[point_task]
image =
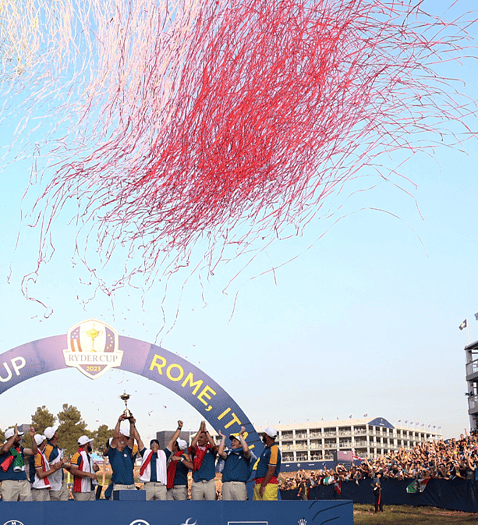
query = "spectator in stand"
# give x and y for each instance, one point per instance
(454, 458)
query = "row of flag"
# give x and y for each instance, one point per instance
(464, 324)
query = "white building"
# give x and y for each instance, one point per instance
(366, 437)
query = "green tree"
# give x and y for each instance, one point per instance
(101, 436)
(70, 429)
(2, 436)
(42, 419)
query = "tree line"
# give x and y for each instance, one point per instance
(70, 427)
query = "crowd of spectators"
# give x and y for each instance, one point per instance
(453, 458)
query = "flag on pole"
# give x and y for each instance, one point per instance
(464, 324)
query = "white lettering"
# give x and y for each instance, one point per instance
(21, 363)
(9, 372)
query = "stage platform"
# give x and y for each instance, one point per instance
(102, 512)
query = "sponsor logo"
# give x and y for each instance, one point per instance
(139, 522)
(93, 348)
(13, 522)
(187, 522)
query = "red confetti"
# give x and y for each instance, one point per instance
(273, 106)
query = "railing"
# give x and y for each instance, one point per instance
(473, 402)
(472, 367)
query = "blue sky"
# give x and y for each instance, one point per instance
(364, 320)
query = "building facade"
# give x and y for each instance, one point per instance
(366, 437)
(472, 383)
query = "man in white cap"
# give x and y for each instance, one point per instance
(84, 471)
(268, 468)
(41, 485)
(15, 486)
(121, 456)
(59, 490)
(153, 471)
(178, 469)
(237, 467)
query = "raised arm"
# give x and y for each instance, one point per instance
(202, 428)
(9, 443)
(245, 448)
(220, 451)
(175, 436)
(31, 451)
(132, 432)
(116, 433)
(211, 442)
(138, 439)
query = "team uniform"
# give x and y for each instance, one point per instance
(59, 490)
(15, 485)
(40, 487)
(178, 478)
(153, 473)
(83, 488)
(204, 472)
(271, 456)
(122, 464)
(236, 472)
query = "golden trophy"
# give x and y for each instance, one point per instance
(127, 411)
(93, 333)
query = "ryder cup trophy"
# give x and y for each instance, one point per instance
(127, 411)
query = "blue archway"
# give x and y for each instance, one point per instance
(77, 348)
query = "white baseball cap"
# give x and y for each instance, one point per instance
(125, 432)
(39, 439)
(11, 432)
(50, 432)
(271, 432)
(182, 445)
(83, 440)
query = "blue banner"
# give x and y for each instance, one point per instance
(455, 494)
(93, 347)
(177, 513)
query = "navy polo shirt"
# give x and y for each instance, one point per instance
(181, 476)
(208, 467)
(10, 474)
(270, 456)
(152, 464)
(122, 464)
(236, 466)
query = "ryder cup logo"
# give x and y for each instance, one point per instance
(92, 348)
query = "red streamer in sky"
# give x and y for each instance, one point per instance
(244, 117)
